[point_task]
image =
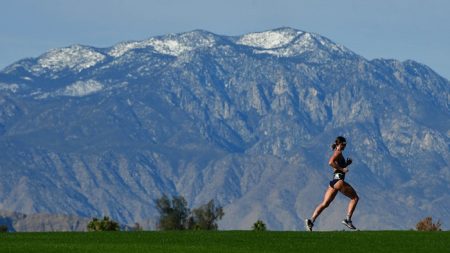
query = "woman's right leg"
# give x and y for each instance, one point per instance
(329, 196)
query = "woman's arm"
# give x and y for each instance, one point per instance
(348, 162)
(333, 161)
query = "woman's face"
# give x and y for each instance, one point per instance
(342, 146)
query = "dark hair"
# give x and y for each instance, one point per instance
(339, 140)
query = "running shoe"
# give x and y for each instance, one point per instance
(309, 225)
(348, 223)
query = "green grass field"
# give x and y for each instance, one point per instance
(227, 241)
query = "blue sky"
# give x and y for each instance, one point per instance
(398, 29)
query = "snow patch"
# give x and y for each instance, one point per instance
(77, 89)
(74, 57)
(164, 46)
(82, 88)
(174, 45)
(170, 47)
(122, 48)
(9, 87)
(288, 43)
(268, 39)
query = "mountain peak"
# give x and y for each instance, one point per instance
(76, 57)
(172, 44)
(269, 39)
(289, 42)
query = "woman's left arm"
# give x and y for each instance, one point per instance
(349, 161)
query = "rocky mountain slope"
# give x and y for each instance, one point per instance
(245, 120)
(19, 222)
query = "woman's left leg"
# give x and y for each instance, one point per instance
(348, 191)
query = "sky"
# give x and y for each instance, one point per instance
(392, 29)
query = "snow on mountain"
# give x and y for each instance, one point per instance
(82, 88)
(9, 87)
(286, 42)
(122, 48)
(76, 58)
(77, 89)
(170, 47)
(269, 39)
(174, 45)
(164, 46)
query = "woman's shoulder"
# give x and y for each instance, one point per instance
(337, 152)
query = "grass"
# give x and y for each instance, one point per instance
(227, 241)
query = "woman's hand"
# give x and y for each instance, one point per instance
(345, 170)
(349, 161)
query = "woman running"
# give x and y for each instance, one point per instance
(340, 168)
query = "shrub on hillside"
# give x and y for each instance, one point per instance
(103, 225)
(259, 226)
(206, 216)
(174, 214)
(3, 228)
(428, 225)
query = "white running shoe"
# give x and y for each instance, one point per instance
(309, 225)
(348, 223)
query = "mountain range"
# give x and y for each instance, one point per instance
(245, 120)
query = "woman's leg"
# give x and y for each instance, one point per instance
(348, 191)
(330, 194)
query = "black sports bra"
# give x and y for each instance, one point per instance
(341, 161)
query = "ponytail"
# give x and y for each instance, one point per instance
(339, 140)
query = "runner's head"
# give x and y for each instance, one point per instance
(339, 140)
